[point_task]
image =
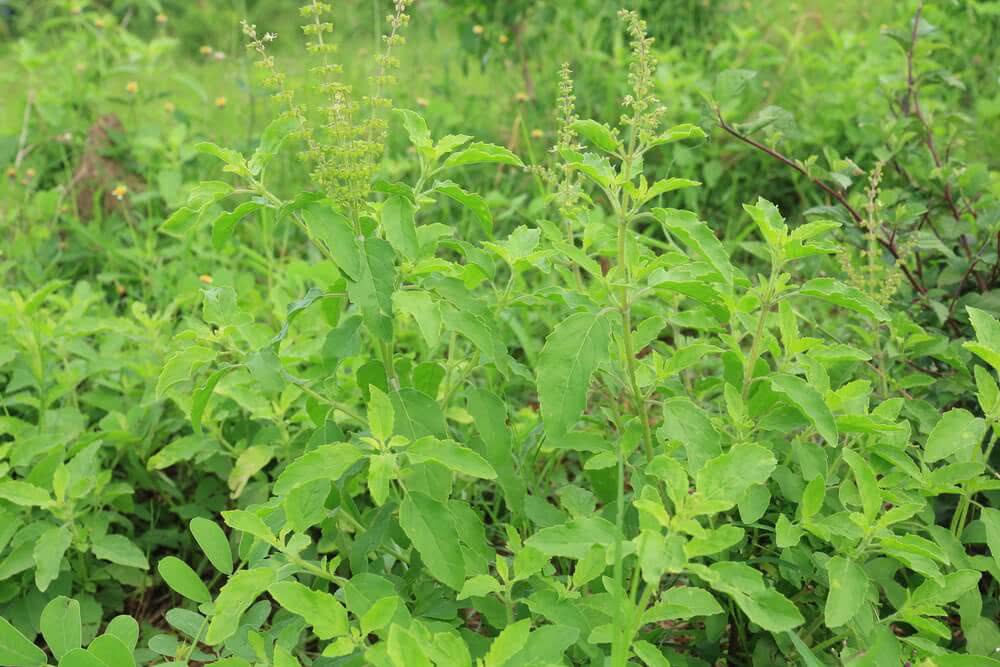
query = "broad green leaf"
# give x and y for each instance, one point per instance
(60, 626)
(79, 657)
(181, 366)
(837, 293)
(956, 432)
(848, 591)
(482, 333)
(213, 543)
(236, 596)
(809, 401)
(572, 352)
(727, 477)
(405, 650)
(372, 291)
(697, 236)
(419, 305)
(508, 643)
(987, 343)
(470, 200)
(490, 418)
(48, 555)
(452, 455)
(320, 610)
(649, 654)
(991, 521)
(325, 462)
(24, 494)
(16, 650)
(400, 231)
(864, 477)
(126, 629)
(381, 472)
(119, 549)
(416, 127)
(598, 134)
(478, 153)
(575, 538)
(764, 606)
(250, 461)
(111, 651)
(224, 225)
(682, 603)
(417, 415)
(480, 585)
(430, 527)
(688, 424)
(334, 231)
(249, 523)
(714, 541)
(381, 414)
(180, 577)
(380, 614)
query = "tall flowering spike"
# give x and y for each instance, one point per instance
(646, 110)
(344, 138)
(568, 182)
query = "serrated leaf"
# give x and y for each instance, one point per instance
(430, 527)
(848, 591)
(957, 432)
(451, 455)
(809, 401)
(572, 352)
(325, 462)
(397, 221)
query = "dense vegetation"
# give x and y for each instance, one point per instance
(517, 333)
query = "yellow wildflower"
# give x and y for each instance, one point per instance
(220, 102)
(119, 192)
(478, 29)
(132, 87)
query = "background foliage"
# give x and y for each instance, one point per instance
(530, 370)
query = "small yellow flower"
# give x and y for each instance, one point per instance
(11, 173)
(76, 10)
(99, 23)
(205, 50)
(205, 278)
(30, 173)
(422, 102)
(537, 133)
(478, 29)
(504, 39)
(521, 96)
(161, 19)
(132, 87)
(119, 192)
(80, 67)
(169, 107)
(220, 102)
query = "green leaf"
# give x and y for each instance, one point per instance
(848, 591)
(809, 401)
(119, 549)
(60, 626)
(480, 585)
(249, 523)
(727, 477)
(111, 651)
(478, 153)
(335, 232)
(320, 610)
(213, 543)
(225, 224)
(325, 462)
(991, 521)
(649, 654)
(24, 494)
(79, 657)
(957, 432)
(572, 352)
(864, 477)
(842, 295)
(48, 555)
(682, 603)
(489, 415)
(596, 133)
(420, 305)
(374, 287)
(379, 614)
(987, 343)
(575, 538)
(416, 128)
(417, 415)
(400, 231)
(452, 455)
(181, 366)
(180, 577)
(126, 629)
(764, 606)
(508, 643)
(16, 650)
(430, 527)
(236, 596)
(381, 472)
(688, 424)
(697, 236)
(470, 200)
(381, 414)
